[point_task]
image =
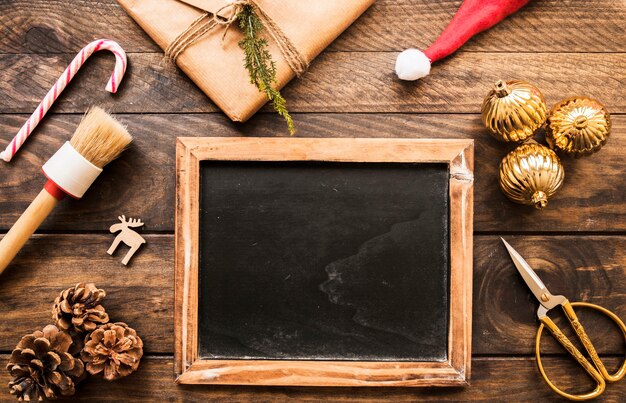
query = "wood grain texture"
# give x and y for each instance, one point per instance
(336, 82)
(580, 268)
(40, 26)
(591, 199)
(583, 268)
(49, 264)
(573, 47)
(513, 379)
(25, 227)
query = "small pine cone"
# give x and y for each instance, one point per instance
(79, 308)
(41, 367)
(113, 348)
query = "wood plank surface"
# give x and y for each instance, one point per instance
(336, 82)
(592, 198)
(499, 379)
(583, 268)
(40, 26)
(572, 47)
(141, 294)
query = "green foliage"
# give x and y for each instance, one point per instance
(259, 63)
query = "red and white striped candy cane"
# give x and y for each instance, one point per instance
(59, 86)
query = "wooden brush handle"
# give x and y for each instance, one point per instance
(25, 226)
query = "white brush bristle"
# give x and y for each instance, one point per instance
(100, 138)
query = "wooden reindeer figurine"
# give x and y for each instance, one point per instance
(128, 236)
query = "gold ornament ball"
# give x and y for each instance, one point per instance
(578, 126)
(513, 110)
(531, 174)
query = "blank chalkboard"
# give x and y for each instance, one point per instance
(305, 260)
(323, 261)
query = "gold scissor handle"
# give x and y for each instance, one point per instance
(580, 331)
(599, 374)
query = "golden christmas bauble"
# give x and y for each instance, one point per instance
(531, 174)
(513, 110)
(578, 126)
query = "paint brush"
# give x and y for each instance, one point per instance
(98, 140)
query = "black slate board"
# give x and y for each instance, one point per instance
(318, 260)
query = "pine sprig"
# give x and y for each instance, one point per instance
(259, 63)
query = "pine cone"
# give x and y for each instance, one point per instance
(79, 308)
(41, 366)
(113, 348)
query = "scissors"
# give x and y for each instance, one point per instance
(548, 301)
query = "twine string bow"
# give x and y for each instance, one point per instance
(208, 21)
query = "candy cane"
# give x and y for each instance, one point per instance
(59, 86)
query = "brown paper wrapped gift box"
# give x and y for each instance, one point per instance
(215, 62)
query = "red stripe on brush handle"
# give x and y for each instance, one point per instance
(54, 190)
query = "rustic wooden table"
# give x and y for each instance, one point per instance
(579, 242)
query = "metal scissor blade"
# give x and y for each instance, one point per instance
(528, 274)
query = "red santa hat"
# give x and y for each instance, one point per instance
(472, 17)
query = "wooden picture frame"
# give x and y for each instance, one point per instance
(191, 369)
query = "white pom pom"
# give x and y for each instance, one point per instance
(412, 64)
